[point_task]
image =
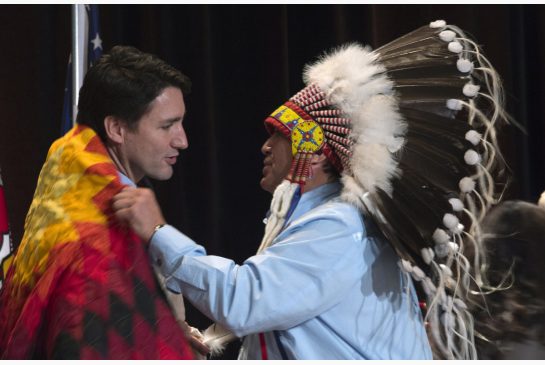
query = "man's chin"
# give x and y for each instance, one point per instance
(162, 176)
(266, 185)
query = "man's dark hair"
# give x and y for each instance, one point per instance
(330, 170)
(123, 84)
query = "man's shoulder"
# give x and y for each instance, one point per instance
(334, 210)
(338, 205)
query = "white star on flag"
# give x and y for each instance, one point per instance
(97, 42)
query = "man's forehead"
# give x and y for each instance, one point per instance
(167, 106)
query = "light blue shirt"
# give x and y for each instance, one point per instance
(327, 288)
(125, 179)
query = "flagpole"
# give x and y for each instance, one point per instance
(79, 34)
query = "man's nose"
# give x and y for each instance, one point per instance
(180, 139)
(266, 148)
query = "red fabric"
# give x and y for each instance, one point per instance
(263, 344)
(97, 297)
(3, 213)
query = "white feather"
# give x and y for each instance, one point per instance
(352, 191)
(216, 338)
(354, 82)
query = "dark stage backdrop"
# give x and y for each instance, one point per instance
(244, 60)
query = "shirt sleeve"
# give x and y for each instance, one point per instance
(167, 248)
(311, 265)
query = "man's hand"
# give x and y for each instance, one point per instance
(195, 339)
(138, 208)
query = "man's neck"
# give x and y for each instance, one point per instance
(120, 163)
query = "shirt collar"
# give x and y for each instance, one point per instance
(125, 179)
(315, 197)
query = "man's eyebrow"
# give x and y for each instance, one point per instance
(173, 120)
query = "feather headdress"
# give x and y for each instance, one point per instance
(411, 127)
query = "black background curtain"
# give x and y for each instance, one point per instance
(244, 61)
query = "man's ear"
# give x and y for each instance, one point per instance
(317, 163)
(318, 159)
(115, 129)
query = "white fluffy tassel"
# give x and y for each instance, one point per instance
(464, 65)
(471, 157)
(447, 35)
(440, 236)
(473, 136)
(405, 266)
(280, 205)
(541, 201)
(450, 221)
(427, 254)
(466, 185)
(418, 274)
(456, 204)
(438, 24)
(455, 47)
(470, 90)
(454, 104)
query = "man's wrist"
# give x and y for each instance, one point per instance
(155, 229)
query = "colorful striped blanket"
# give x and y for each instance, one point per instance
(80, 285)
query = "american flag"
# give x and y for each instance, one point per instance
(6, 250)
(93, 49)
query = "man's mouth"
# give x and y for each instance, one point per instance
(266, 167)
(171, 160)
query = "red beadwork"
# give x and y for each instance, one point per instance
(343, 141)
(325, 113)
(334, 121)
(317, 105)
(339, 149)
(336, 129)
